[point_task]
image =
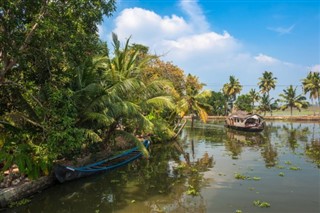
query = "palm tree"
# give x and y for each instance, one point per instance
(265, 104)
(117, 99)
(231, 89)
(267, 82)
(291, 99)
(194, 102)
(311, 84)
(254, 95)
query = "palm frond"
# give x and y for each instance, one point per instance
(131, 138)
(93, 136)
(161, 102)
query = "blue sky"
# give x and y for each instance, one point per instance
(214, 39)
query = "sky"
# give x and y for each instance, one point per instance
(214, 39)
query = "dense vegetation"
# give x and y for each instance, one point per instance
(64, 92)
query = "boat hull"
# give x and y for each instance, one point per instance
(66, 173)
(246, 129)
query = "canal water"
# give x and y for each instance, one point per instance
(210, 169)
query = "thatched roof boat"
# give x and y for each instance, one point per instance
(245, 122)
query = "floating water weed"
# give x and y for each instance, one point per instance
(240, 176)
(281, 174)
(256, 178)
(294, 168)
(261, 204)
(288, 162)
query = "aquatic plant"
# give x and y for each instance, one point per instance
(261, 204)
(240, 176)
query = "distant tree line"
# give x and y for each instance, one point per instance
(223, 102)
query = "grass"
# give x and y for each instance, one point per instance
(313, 110)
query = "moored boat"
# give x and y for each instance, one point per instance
(245, 122)
(67, 173)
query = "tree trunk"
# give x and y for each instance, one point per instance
(192, 121)
(291, 110)
(182, 126)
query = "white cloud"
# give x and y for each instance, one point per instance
(261, 58)
(194, 11)
(282, 30)
(147, 27)
(211, 56)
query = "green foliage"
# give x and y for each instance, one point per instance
(311, 84)
(266, 104)
(218, 101)
(291, 99)
(267, 82)
(19, 203)
(261, 204)
(231, 89)
(192, 191)
(244, 103)
(240, 176)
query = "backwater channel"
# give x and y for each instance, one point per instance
(274, 171)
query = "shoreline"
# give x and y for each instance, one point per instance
(275, 117)
(27, 189)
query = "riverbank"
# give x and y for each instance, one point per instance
(278, 117)
(24, 189)
(28, 187)
(20, 187)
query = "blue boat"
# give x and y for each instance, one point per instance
(67, 173)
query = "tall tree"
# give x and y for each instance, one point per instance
(194, 102)
(267, 82)
(254, 96)
(311, 84)
(290, 99)
(39, 49)
(121, 97)
(244, 103)
(38, 36)
(231, 89)
(266, 104)
(218, 102)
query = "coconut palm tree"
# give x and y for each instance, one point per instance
(231, 89)
(311, 84)
(194, 102)
(117, 99)
(267, 82)
(265, 104)
(291, 99)
(254, 95)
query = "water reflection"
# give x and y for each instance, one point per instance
(196, 174)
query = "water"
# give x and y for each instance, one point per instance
(279, 166)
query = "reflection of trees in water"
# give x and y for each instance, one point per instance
(313, 151)
(161, 181)
(269, 151)
(306, 134)
(294, 134)
(236, 140)
(214, 135)
(165, 175)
